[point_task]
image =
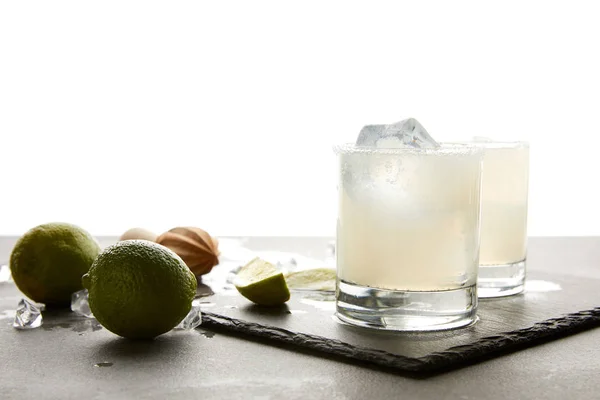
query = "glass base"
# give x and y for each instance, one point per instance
(406, 311)
(501, 280)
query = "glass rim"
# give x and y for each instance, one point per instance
(446, 148)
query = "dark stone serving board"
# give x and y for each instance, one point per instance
(553, 306)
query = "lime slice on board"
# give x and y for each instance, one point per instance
(260, 282)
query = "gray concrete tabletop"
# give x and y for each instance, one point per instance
(66, 361)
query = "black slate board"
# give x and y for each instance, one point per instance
(553, 306)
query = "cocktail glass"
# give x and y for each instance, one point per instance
(504, 194)
(408, 236)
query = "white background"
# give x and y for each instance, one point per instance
(222, 114)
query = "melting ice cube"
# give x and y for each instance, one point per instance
(406, 133)
(193, 319)
(80, 304)
(28, 315)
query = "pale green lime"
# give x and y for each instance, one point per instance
(48, 261)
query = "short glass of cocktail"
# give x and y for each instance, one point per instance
(407, 230)
(504, 194)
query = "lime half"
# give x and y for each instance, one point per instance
(260, 282)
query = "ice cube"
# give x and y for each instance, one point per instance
(80, 304)
(193, 319)
(370, 134)
(406, 133)
(28, 315)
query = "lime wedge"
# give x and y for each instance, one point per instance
(260, 282)
(312, 279)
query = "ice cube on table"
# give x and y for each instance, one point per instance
(28, 315)
(80, 304)
(193, 319)
(406, 133)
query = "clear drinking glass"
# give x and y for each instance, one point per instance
(503, 254)
(408, 236)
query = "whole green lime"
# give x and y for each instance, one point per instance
(48, 261)
(139, 289)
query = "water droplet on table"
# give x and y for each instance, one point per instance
(86, 325)
(103, 364)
